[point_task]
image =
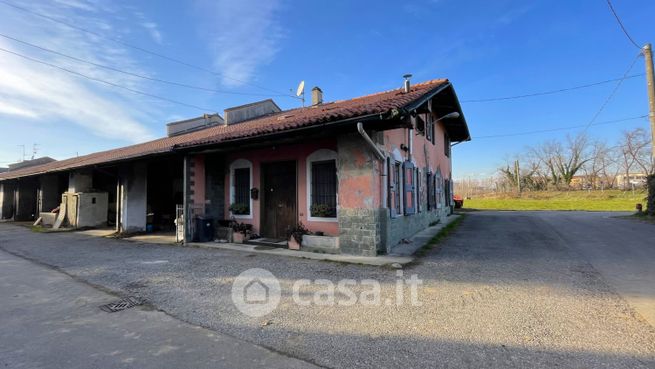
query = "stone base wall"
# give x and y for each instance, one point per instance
(360, 231)
(408, 225)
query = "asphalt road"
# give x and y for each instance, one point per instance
(621, 250)
(506, 290)
(50, 320)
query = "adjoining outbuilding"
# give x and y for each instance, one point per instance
(355, 176)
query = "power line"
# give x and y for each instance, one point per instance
(625, 31)
(560, 128)
(179, 84)
(106, 82)
(141, 49)
(551, 92)
(613, 93)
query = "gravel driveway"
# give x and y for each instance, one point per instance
(506, 290)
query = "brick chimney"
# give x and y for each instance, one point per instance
(317, 96)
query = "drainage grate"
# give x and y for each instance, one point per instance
(123, 304)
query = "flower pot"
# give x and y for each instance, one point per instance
(239, 237)
(293, 244)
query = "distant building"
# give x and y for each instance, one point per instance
(631, 180)
(30, 163)
(578, 182)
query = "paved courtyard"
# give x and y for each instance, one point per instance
(508, 289)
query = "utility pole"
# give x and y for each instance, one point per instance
(650, 77)
(648, 58)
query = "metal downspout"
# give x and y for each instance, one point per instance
(362, 132)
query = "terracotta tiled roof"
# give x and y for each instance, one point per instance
(377, 103)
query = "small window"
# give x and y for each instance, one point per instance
(324, 189)
(409, 188)
(429, 128)
(242, 191)
(420, 125)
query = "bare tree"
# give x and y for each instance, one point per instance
(611, 166)
(636, 144)
(545, 155)
(563, 161)
(597, 165)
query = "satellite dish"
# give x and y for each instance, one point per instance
(301, 88)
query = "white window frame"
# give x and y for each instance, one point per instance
(240, 164)
(319, 155)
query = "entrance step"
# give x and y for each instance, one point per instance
(272, 242)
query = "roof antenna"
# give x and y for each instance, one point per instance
(300, 92)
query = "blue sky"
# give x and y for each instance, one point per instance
(486, 48)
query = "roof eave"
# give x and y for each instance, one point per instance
(462, 133)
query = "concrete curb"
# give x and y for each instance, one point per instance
(365, 260)
(421, 239)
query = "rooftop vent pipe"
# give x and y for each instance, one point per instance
(407, 84)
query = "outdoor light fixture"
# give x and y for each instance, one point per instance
(453, 115)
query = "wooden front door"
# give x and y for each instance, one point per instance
(279, 199)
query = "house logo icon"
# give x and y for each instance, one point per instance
(256, 292)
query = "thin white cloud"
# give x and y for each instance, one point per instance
(243, 35)
(153, 31)
(149, 26)
(57, 96)
(513, 14)
(29, 90)
(9, 109)
(77, 4)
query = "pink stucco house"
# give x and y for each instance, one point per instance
(367, 172)
(360, 174)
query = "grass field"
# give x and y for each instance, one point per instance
(610, 200)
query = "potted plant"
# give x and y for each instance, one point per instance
(294, 235)
(240, 208)
(241, 232)
(322, 211)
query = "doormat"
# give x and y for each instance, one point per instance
(262, 248)
(122, 304)
(270, 240)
